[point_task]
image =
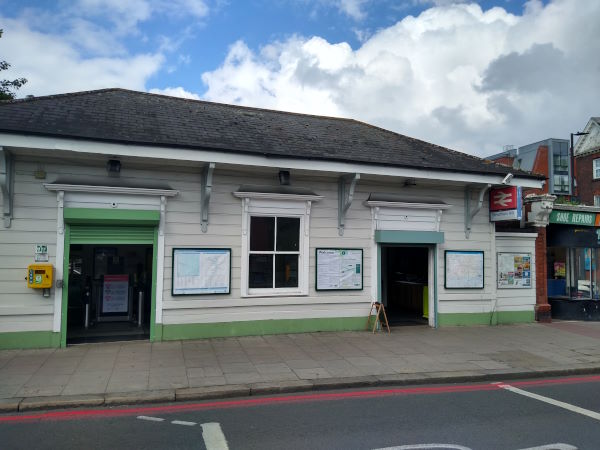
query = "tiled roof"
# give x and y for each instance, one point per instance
(119, 115)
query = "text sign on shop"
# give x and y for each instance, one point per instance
(573, 218)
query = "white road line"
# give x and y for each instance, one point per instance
(213, 436)
(183, 422)
(551, 401)
(426, 447)
(558, 446)
(151, 419)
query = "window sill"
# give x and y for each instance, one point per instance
(275, 294)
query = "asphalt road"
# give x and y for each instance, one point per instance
(542, 414)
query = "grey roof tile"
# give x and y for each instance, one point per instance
(119, 115)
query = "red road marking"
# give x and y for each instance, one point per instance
(221, 404)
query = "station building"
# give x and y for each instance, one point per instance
(129, 215)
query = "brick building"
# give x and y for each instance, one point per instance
(587, 164)
(568, 250)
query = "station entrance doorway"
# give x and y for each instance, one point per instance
(109, 289)
(405, 284)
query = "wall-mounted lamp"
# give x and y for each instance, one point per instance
(284, 177)
(113, 166)
(507, 178)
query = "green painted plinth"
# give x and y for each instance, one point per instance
(497, 318)
(259, 327)
(29, 339)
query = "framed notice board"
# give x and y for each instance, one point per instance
(199, 271)
(463, 269)
(514, 270)
(339, 269)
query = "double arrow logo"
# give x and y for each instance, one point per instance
(503, 198)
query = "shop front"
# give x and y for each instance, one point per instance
(573, 257)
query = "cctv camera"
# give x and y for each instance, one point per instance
(507, 178)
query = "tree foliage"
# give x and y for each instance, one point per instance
(7, 87)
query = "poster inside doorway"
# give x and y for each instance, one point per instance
(514, 270)
(115, 294)
(339, 269)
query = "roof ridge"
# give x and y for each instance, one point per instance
(65, 94)
(173, 97)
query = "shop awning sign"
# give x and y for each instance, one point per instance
(506, 203)
(585, 219)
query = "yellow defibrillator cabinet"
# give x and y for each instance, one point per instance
(39, 276)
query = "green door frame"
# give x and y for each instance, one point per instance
(427, 239)
(109, 217)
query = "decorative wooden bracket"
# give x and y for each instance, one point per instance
(470, 215)
(345, 196)
(6, 185)
(205, 191)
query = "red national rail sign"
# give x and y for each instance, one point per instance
(504, 198)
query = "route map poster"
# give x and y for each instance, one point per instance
(514, 270)
(201, 271)
(464, 269)
(339, 269)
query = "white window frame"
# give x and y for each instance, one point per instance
(276, 205)
(596, 168)
(301, 237)
(596, 200)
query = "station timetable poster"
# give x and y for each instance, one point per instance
(115, 294)
(464, 269)
(514, 270)
(339, 269)
(201, 271)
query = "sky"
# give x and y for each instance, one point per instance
(471, 76)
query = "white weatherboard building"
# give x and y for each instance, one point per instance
(163, 218)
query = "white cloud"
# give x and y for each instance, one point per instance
(352, 8)
(176, 92)
(127, 14)
(455, 75)
(52, 64)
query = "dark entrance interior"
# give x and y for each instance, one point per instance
(404, 284)
(109, 297)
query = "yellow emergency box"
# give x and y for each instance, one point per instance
(39, 276)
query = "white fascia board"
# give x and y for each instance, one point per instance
(110, 189)
(222, 157)
(516, 235)
(373, 204)
(275, 196)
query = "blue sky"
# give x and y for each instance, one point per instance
(469, 76)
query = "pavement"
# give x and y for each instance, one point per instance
(124, 373)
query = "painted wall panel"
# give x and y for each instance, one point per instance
(35, 222)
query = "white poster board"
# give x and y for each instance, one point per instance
(514, 270)
(201, 271)
(339, 269)
(464, 270)
(115, 294)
